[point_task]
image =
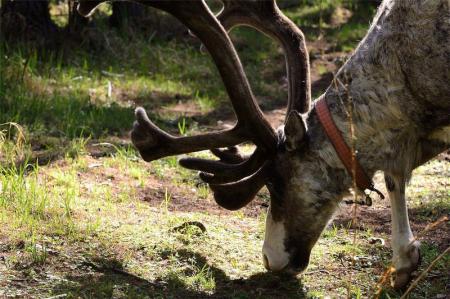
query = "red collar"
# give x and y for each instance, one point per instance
(350, 162)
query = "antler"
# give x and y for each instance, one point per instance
(266, 17)
(235, 180)
(153, 143)
(234, 183)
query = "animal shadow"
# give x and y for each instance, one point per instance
(109, 280)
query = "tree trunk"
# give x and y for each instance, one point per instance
(26, 19)
(125, 13)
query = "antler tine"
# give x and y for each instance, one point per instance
(230, 155)
(236, 195)
(266, 17)
(232, 166)
(153, 143)
(218, 172)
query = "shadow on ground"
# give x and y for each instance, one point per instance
(109, 280)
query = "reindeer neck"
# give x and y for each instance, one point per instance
(374, 124)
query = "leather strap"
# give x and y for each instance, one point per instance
(345, 154)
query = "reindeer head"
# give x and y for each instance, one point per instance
(282, 160)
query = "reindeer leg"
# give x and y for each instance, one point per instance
(406, 255)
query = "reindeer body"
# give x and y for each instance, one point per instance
(394, 91)
(396, 87)
(398, 84)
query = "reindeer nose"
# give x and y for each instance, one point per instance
(290, 264)
(274, 261)
(299, 262)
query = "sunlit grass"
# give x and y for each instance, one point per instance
(55, 200)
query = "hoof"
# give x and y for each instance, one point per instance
(401, 278)
(402, 275)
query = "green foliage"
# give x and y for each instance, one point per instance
(22, 192)
(182, 126)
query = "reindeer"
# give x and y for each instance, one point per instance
(388, 110)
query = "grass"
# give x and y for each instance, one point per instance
(120, 243)
(82, 215)
(89, 94)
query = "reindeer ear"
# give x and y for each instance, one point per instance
(87, 7)
(294, 131)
